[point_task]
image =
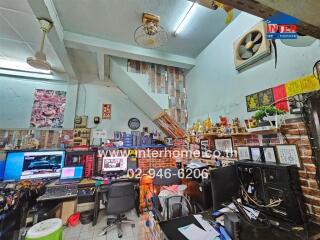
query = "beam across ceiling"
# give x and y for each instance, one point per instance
(94, 44)
(100, 62)
(46, 9)
(266, 8)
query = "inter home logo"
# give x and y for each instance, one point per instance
(281, 26)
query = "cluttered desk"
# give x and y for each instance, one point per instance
(249, 201)
(63, 187)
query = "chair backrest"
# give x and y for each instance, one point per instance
(177, 206)
(120, 198)
(167, 176)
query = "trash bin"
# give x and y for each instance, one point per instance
(51, 229)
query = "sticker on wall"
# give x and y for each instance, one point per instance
(252, 102)
(48, 108)
(106, 111)
(265, 97)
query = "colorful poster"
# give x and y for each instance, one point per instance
(252, 102)
(48, 108)
(280, 98)
(265, 97)
(106, 111)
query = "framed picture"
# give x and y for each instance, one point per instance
(204, 148)
(252, 102)
(243, 153)
(223, 145)
(288, 154)
(269, 154)
(256, 154)
(266, 97)
(106, 111)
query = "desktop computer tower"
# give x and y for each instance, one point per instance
(268, 182)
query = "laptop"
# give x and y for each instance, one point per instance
(71, 175)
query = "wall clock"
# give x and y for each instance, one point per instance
(134, 123)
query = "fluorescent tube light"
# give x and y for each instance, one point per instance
(20, 66)
(186, 18)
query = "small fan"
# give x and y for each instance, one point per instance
(251, 47)
(150, 34)
(39, 61)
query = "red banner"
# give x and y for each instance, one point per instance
(280, 94)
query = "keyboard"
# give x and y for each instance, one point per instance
(59, 192)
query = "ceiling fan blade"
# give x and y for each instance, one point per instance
(58, 70)
(258, 37)
(246, 55)
(256, 47)
(248, 37)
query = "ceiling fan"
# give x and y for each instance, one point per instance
(150, 34)
(39, 60)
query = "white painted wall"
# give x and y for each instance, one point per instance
(16, 100)
(142, 81)
(214, 87)
(94, 94)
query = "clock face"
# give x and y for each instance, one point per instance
(134, 123)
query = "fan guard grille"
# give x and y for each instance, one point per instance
(150, 37)
(250, 45)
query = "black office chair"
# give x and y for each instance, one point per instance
(119, 200)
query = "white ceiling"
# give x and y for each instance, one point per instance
(86, 29)
(20, 33)
(116, 20)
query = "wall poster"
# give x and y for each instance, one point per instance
(106, 111)
(48, 108)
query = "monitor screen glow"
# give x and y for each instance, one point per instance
(33, 164)
(114, 164)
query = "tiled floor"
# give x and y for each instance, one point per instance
(88, 232)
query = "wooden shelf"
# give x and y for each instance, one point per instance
(263, 132)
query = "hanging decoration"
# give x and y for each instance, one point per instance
(215, 5)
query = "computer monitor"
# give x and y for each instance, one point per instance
(71, 172)
(224, 185)
(33, 164)
(113, 164)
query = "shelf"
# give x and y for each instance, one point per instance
(258, 132)
(134, 147)
(220, 158)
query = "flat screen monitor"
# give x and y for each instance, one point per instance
(71, 172)
(33, 164)
(224, 185)
(113, 164)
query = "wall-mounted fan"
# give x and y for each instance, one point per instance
(150, 34)
(251, 47)
(39, 61)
